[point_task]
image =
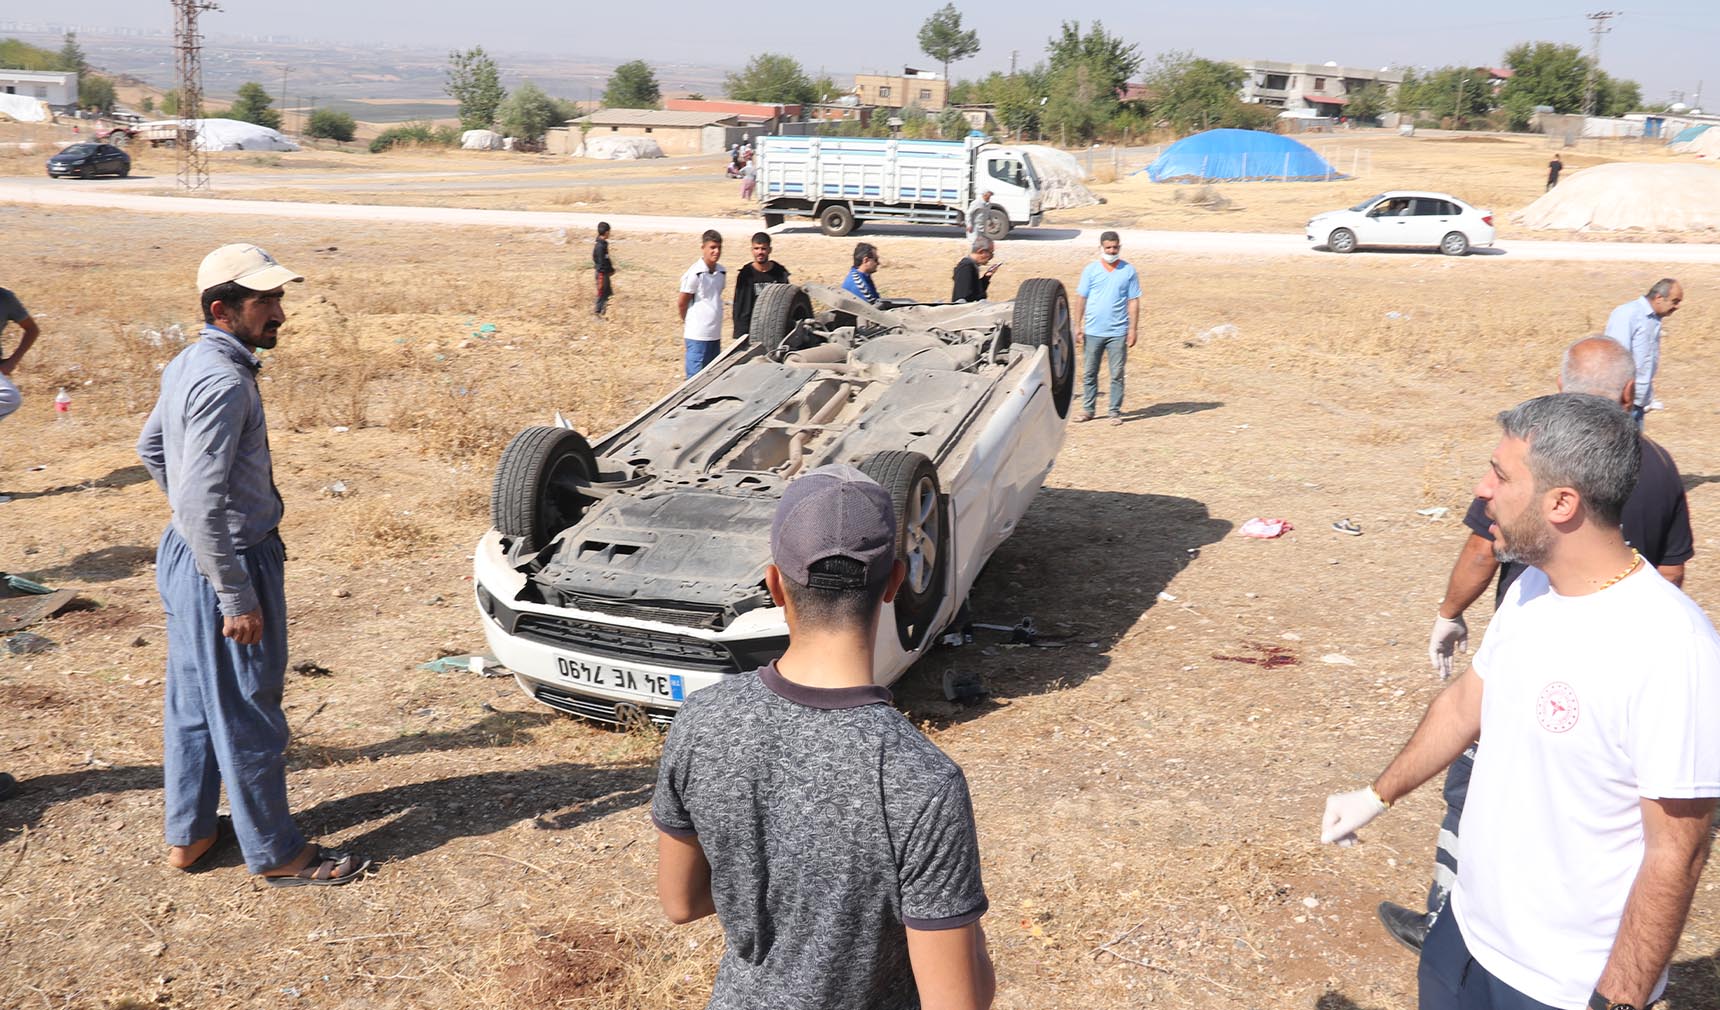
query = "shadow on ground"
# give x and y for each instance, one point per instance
(1085, 565)
(124, 476)
(497, 729)
(422, 816)
(1694, 983)
(1330, 1000)
(40, 792)
(1170, 409)
(105, 564)
(1692, 481)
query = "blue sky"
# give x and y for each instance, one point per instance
(1662, 47)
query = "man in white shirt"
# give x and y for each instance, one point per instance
(1598, 690)
(701, 304)
(977, 212)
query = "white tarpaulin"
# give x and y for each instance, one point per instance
(481, 140)
(618, 148)
(1629, 195)
(1060, 174)
(232, 135)
(24, 109)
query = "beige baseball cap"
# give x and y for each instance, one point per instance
(245, 264)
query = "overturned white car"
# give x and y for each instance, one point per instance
(624, 575)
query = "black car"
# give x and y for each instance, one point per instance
(87, 161)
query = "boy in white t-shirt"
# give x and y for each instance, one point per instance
(701, 304)
(1598, 690)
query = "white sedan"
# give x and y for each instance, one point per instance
(624, 575)
(1405, 218)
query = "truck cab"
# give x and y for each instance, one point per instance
(1015, 190)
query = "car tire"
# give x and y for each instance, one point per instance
(922, 538)
(836, 220)
(1454, 244)
(779, 309)
(87, 172)
(124, 171)
(996, 225)
(537, 491)
(1342, 241)
(1042, 319)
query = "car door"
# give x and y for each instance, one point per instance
(109, 159)
(1434, 220)
(1370, 225)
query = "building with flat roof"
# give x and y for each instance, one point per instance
(924, 88)
(766, 116)
(1321, 87)
(59, 90)
(677, 133)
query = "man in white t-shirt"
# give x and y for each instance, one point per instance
(701, 304)
(1598, 689)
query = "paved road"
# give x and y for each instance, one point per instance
(95, 196)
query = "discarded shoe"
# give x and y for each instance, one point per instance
(1405, 925)
(1347, 527)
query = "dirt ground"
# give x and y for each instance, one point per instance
(1148, 792)
(1502, 173)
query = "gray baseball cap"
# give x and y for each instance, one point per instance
(834, 511)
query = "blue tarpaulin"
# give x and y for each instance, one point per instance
(1235, 155)
(1690, 133)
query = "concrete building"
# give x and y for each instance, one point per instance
(1323, 88)
(59, 90)
(911, 87)
(677, 133)
(763, 117)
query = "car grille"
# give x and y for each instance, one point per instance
(687, 617)
(659, 648)
(594, 709)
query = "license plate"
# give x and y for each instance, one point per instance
(667, 686)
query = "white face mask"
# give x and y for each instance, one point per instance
(1110, 257)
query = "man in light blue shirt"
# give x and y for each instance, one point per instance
(1636, 325)
(1107, 322)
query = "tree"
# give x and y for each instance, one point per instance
(170, 102)
(96, 92)
(1545, 73)
(1110, 60)
(528, 113)
(23, 56)
(476, 83)
(1367, 102)
(825, 89)
(1079, 104)
(71, 57)
(943, 39)
(1460, 92)
(329, 124)
(952, 125)
(147, 103)
(1615, 97)
(771, 77)
(253, 105)
(1191, 92)
(633, 86)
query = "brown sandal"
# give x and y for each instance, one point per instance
(321, 870)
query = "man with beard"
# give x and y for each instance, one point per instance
(1656, 522)
(1598, 690)
(748, 279)
(219, 570)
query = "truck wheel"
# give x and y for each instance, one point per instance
(772, 220)
(1042, 320)
(996, 225)
(778, 310)
(539, 485)
(922, 537)
(836, 220)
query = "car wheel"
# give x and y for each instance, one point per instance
(836, 220)
(996, 225)
(87, 172)
(124, 171)
(1042, 319)
(779, 309)
(540, 485)
(922, 538)
(1455, 244)
(1343, 240)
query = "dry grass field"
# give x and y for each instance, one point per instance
(1148, 790)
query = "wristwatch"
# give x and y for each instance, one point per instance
(1599, 1002)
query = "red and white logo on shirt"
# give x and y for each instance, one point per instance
(1556, 709)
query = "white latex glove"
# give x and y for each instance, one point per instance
(1347, 813)
(1449, 634)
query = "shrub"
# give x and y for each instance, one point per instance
(328, 124)
(415, 134)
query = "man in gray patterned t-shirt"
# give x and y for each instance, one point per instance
(835, 844)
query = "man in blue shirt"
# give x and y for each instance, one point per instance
(1636, 325)
(12, 311)
(1107, 321)
(859, 280)
(220, 572)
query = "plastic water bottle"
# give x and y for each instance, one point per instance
(62, 405)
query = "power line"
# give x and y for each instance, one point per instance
(1598, 27)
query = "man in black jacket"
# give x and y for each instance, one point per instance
(600, 260)
(748, 279)
(973, 273)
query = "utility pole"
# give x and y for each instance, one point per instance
(1457, 111)
(188, 57)
(1597, 28)
(284, 69)
(1013, 55)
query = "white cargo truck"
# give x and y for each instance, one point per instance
(842, 181)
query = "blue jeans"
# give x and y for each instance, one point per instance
(1116, 350)
(700, 353)
(1450, 979)
(223, 720)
